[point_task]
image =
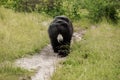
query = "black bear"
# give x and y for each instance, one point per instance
(60, 32)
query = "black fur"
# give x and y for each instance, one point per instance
(61, 25)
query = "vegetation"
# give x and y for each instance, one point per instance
(97, 8)
(20, 34)
(102, 8)
(96, 57)
(23, 32)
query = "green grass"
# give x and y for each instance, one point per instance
(96, 57)
(21, 34)
(10, 72)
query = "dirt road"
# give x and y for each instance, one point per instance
(44, 63)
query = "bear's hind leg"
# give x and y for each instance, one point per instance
(55, 45)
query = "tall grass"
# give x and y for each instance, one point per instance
(96, 57)
(20, 34)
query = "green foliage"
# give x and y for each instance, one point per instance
(95, 57)
(54, 8)
(50, 7)
(61, 7)
(72, 9)
(99, 9)
(20, 34)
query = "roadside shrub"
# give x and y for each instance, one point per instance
(2, 2)
(61, 7)
(50, 7)
(54, 8)
(72, 9)
(99, 9)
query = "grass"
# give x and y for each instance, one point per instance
(10, 72)
(20, 34)
(96, 57)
